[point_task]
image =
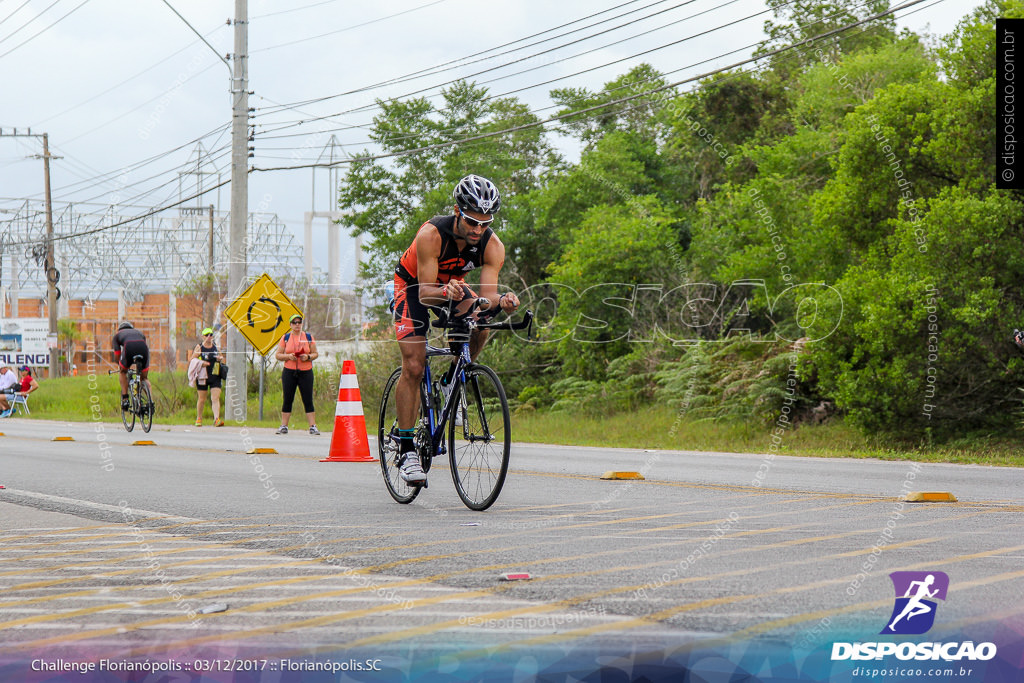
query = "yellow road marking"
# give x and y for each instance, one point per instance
(657, 617)
(584, 573)
(548, 607)
(569, 602)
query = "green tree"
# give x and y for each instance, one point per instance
(391, 198)
(638, 115)
(614, 249)
(797, 21)
(930, 327)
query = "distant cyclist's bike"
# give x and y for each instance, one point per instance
(140, 403)
(475, 412)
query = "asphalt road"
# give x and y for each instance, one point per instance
(118, 550)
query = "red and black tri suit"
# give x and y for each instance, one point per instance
(411, 316)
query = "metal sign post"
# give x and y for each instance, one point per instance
(263, 372)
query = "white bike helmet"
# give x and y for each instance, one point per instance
(478, 194)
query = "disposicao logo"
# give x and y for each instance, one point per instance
(913, 614)
(914, 611)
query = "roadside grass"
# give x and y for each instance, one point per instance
(654, 427)
(658, 427)
(73, 399)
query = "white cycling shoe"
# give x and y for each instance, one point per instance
(410, 470)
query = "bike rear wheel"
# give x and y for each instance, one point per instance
(479, 447)
(128, 414)
(388, 444)
(145, 401)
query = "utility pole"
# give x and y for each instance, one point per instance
(51, 280)
(208, 288)
(209, 257)
(236, 391)
(50, 270)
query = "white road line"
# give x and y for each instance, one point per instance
(136, 512)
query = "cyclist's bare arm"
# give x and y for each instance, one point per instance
(494, 259)
(428, 250)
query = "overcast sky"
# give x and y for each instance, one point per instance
(115, 82)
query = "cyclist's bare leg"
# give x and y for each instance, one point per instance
(477, 340)
(122, 377)
(407, 392)
(145, 380)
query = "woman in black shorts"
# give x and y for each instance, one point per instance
(297, 350)
(207, 352)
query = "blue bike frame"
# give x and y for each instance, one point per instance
(438, 422)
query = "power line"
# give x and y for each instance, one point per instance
(138, 164)
(537, 54)
(434, 70)
(285, 126)
(127, 80)
(606, 92)
(135, 109)
(437, 68)
(597, 107)
(535, 85)
(4, 20)
(212, 156)
(476, 138)
(347, 28)
(15, 31)
(147, 214)
(293, 9)
(78, 7)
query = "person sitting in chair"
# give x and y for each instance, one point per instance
(8, 385)
(28, 382)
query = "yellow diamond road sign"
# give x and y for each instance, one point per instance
(261, 314)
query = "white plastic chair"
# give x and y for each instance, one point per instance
(19, 400)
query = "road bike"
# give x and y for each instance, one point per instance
(478, 438)
(140, 402)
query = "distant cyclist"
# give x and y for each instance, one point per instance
(432, 272)
(128, 343)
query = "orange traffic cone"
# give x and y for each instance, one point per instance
(348, 440)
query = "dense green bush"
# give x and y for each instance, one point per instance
(844, 195)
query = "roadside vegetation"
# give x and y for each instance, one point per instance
(813, 252)
(820, 238)
(648, 426)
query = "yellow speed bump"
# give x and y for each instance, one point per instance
(264, 451)
(144, 442)
(611, 474)
(63, 438)
(930, 497)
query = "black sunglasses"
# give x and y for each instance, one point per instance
(473, 222)
(297, 321)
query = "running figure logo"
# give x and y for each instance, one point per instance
(914, 612)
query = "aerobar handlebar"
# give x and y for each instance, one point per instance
(443, 321)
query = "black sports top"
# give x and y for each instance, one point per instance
(452, 262)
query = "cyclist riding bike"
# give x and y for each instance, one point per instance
(128, 343)
(431, 272)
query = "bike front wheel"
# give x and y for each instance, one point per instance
(388, 444)
(128, 414)
(479, 447)
(145, 409)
